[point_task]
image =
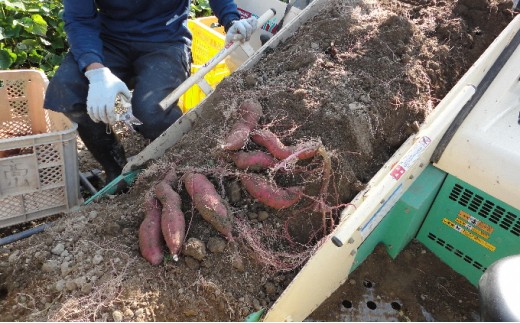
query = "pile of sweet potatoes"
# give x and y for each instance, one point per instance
(164, 221)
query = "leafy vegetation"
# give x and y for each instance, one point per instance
(32, 35)
(200, 8)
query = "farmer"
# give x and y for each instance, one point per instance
(115, 46)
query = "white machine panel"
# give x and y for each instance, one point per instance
(485, 150)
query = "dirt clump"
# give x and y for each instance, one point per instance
(357, 78)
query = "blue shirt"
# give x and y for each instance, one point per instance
(87, 22)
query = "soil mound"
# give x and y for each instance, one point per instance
(358, 79)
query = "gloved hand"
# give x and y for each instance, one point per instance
(241, 29)
(102, 92)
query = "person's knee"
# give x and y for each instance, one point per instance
(67, 88)
(156, 120)
(151, 130)
(78, 114)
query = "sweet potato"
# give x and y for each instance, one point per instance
(150, 238)
(173, 224)
(208, 202)
(305, 152)
(270, 194)
(272, 143)
(171, 175)
(253, 160)
(249, 112)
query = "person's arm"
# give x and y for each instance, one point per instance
(229, 17)
(82, 26)
(94, 66)
(226, 12)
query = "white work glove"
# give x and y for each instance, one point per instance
(241, 30)
(103, 90)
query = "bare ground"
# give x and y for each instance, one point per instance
(357, 78)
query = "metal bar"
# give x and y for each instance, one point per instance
(86, 183)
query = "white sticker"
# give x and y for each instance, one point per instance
(410, 157)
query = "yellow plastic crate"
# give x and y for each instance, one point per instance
(207, 42)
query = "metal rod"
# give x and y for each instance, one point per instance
(85, 182)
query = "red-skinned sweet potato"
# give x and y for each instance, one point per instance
(272, 143)
(270, 194)
(208, 202)
(150, 238)
(173, 224)
(303, 152)
(249, 112)
(171, 176)
(253, 160)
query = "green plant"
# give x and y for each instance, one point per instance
(200, 8)
(31, 34)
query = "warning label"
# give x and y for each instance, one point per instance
(475, 222)
(462, 230)
(472, 228)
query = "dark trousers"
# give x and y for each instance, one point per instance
(151, 70)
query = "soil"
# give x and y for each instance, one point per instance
(358, 79)
(416, 286)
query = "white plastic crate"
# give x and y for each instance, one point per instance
(38, 158)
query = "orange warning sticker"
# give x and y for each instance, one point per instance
(468, 234)
(472, 228)
(475, 222)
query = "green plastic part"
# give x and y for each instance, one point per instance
(469, 229)
(110, 188)
(404, 219)
(255, 317)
